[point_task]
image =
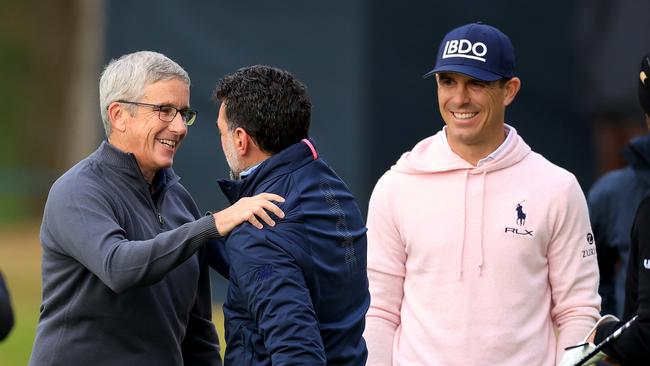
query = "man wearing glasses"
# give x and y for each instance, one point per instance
(125, 275)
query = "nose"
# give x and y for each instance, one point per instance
(177, 125)
(461, 95)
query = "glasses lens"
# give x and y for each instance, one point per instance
(167, 113)
(188, 116)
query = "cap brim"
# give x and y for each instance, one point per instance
(473, 72)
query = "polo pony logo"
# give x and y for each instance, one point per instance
(521, 215)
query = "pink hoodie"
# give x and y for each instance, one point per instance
(488, 265)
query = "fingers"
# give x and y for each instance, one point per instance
(255, 222)
(270, 197)
(261, 214)
(270, 206)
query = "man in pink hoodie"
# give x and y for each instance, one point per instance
(480, 251)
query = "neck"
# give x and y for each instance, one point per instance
(255, 158)
(474, 153)
(116, 143)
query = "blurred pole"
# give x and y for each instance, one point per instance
(84, 126)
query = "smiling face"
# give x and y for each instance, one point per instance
(153, 141)
(474, 111)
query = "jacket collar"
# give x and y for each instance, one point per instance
(284, 162)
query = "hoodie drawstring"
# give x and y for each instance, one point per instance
(480, 263)
(461, 249)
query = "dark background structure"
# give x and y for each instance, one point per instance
(361, 60)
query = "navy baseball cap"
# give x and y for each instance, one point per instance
(477, 50)
(644, 84)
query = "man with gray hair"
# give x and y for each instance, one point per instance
(125, 274)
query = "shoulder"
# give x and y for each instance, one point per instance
(550, 174)
(83, 179)
(611, 183)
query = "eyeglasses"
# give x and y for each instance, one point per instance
(167, 113)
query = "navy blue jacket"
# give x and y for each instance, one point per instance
(298, 292)
(613, 201)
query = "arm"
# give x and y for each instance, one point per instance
(599, 209)
(81, 222)
(201, 344)
(633, 347)
(573, 268)
(277, 298)
(6, 313)
(386, 272)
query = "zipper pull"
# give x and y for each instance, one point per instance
(160, 218)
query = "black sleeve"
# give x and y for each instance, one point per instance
(6, 313)
(633, 346)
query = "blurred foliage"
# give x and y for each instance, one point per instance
(35, 60)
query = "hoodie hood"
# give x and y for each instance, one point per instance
(433, 155)
(637, 152)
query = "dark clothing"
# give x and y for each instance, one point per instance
(633, 346)
(298, 291)
(613, 200)
(6, 313)
(125, 274)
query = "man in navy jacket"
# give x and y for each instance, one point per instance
(298, 291)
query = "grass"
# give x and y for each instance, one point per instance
(20, 262)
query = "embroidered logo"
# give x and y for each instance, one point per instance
(590, 239)
(347, 241)
(264, 272)
(521, 215)
(465, 49)
(646, 263)
(591, 250)
(520, 221)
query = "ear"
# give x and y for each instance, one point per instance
(242, 141)
(512, 88)
(117, 116)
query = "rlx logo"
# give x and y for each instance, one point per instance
(519, 232)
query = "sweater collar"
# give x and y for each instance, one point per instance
(127, 164)
(284, 162)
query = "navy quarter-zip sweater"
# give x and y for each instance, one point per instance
(298, 292)
(125, 274)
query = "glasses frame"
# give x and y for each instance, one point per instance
(160, 109)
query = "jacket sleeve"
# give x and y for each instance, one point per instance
(573, 268)
(277, 298)
(218, 257)
(81, 223)
(633, 345)
(599, 209)
(386, 272)
(201, 344)
(6, 312)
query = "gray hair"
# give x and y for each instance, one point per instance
(126, 78)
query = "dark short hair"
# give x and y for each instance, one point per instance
(270, 104)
